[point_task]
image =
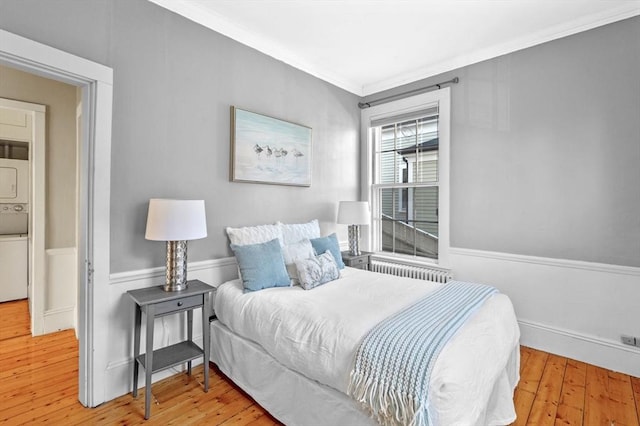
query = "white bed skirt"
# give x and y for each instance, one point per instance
(296, 400)
(288, 396)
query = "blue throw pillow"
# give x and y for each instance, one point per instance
(261, 265)
(320, 245)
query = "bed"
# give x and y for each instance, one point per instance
(293, 350)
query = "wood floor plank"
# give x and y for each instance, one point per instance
(15, 319)
(570, 408)
(523, 401)
(596, 410)
(24, 395)
(635, 384)
(621, 400)
(545, 404)
(40, 386)
(532, 371)
(246, 417)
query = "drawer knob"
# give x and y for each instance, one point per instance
(179, 303)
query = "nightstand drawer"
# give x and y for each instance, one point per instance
(361, 265)
(178, 304)
(358, 262)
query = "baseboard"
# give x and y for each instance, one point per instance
(604, 353)
(59, 319)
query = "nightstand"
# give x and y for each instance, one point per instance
(363, 261)
(155, 302)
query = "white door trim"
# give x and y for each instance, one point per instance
(96, 81)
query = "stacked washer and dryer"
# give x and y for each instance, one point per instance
(14, 228)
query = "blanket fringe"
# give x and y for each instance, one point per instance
(389, 406)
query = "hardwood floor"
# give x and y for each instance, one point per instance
(14, 317)
(39, 385)
(554, 390)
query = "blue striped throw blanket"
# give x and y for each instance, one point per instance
(394, 361)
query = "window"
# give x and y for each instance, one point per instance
(408, 151)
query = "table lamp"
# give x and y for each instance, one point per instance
(176, 221)
(354, 214)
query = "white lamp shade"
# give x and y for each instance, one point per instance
(354, 213)
(176, 220)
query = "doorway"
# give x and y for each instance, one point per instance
(95, 82)
(22, 129)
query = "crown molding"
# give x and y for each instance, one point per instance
(549, 34)
(222, 25)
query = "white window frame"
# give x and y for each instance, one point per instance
(371, 236)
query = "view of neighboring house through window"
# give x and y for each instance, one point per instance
(408, 146)
(406, 182)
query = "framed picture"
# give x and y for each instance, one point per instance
(268, 150)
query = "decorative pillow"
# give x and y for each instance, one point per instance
(254, 234)
(297, 251)
(261, 265)
(317, 271)
(320, 245)
(295, 232)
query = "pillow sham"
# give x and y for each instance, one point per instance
(254, 234)
(320, 245)
(261, 265)
(296, 251)
(295, 232)
(317, 271)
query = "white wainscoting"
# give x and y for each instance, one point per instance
(167, 330)
(570, 308)
(574, 309)
(61, 293)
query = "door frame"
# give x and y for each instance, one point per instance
(96, 83)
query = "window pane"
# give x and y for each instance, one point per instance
(409, 221)
(408, 152)
(388, 138)
(406, 136)
(390, 163)
(425, 205)
(387, 203)
(397, 238)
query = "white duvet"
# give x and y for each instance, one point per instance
(317, 332)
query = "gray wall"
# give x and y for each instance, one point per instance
(545, 149)
(174, 82)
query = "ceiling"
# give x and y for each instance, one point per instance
(366, 46)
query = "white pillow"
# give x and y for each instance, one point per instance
(254, 234)
(293, 252)
(295, 232)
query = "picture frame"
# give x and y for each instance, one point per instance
(269, 150)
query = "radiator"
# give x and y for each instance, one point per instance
(419, 272)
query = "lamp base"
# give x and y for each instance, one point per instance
(354, 240)
(176, 276)
(175, 286)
